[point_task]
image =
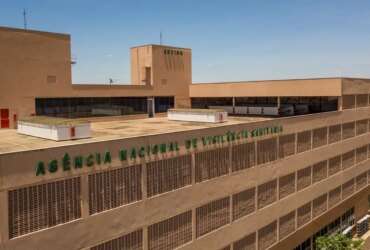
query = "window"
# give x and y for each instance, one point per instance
(211, 164)
(286, 185)
(319, 137)
(42, 206)
(114, 188)
(266, 150)
(244, 203)
(286, 145)
(244, 156)
(75, 107)
(170, 233)
(348, 102)
(168, 174)
(303, 141)
(267, 235)
(212, 216)
(247, 242)
(303, 178)
(304, 214)
(286, 224)
(163, 103)
(132, 241)
(267, 193)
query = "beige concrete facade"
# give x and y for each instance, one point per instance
(242, 184)
(91, 230)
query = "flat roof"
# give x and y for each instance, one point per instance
(12, 142)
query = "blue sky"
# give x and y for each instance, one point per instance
(231, 40)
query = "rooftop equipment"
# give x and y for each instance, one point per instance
(57, 129)
(197, 115)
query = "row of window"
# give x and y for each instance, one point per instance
(176, 231)
(355, 101)
(118, 187)
(74, 107)
(173, 52)
(42, 206)
(290, 222)
(334, 226)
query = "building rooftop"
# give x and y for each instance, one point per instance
(12, 142)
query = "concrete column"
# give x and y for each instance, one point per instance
(144, 186)
(327, 135)
(233, 104)
(85, 196)
(278, 102)
(194, 224)
(277, 147)
(340, 103)
(4, 225)
(192, 168)
(151, 106)
(256, 198)
(295, 143)
(145, 239)
(230, 158)
(296, 219)
(231, 209)
(296, 181)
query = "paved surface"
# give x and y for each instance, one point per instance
(11, 141)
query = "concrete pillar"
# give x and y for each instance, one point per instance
(340, 103)
(194, 224)
(4, 225)
(151, 106)
(145, 239)
(85, 196)
(233, 104)
(231, 209)
(144, 186)
(192, 168)
(230, 158)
